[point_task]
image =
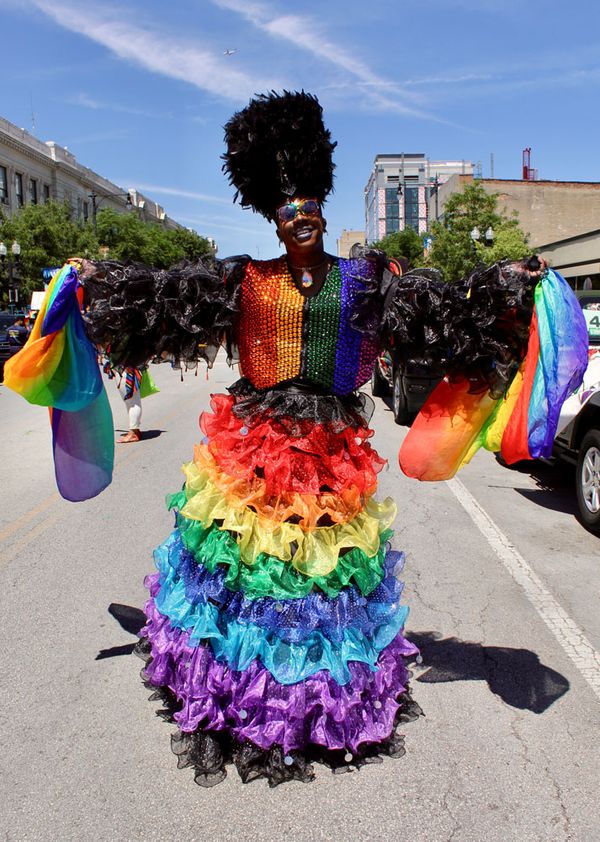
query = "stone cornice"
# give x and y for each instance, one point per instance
(25, 149)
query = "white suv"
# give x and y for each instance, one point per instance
(579, 439)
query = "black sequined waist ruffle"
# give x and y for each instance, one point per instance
(296, 401)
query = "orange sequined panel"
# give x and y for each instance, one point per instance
(270, 333)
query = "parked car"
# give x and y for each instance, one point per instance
(409, 385)
(6, 320)
(578, 441)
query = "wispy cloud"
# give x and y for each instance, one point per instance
(307, 34)
(208, 224)
(513, 83)
(449, 79)
(177, 58)
(86, 101)
(183, 194)
(112, 134)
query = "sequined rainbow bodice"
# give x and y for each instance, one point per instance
(284, 335)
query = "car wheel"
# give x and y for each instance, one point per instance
(379, 385)
(588, 480)
(399, 403)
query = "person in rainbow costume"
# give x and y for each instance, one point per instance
(274, 627)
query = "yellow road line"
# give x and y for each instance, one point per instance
(55, 498)
(15, 525)
(27, 539)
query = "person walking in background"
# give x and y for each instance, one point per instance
(17, 334)
(129, 386)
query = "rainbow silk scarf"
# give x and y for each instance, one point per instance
(453, 424)
(58, 368)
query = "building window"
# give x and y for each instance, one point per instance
(3, 186)
(392, 210)
(46, 190)
(86, 212)
(33, 191)
(392, 205)
(19, 189)
(411, 208)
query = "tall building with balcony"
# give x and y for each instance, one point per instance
(399, 189)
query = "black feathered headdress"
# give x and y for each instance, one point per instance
(277, 148)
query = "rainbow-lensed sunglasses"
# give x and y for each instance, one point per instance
(306, 207)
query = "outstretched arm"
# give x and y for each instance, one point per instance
(476, 329)
(182, 314)
(512, 342)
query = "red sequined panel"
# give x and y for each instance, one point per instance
(270, 334)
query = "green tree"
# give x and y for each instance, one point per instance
(127, 237)
(193, 245)
(407, 244)
(47, 236)
(453, 250)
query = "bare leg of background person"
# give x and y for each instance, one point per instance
(134, 410)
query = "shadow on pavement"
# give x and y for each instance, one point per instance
(555, 484)
(151, 434)
(516, 675)
(131, 620)
(146, 434)
(114, 651)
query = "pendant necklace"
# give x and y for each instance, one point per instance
(307, 279)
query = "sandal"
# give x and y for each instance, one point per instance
(131, 436)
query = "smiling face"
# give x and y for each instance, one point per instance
(301, 235)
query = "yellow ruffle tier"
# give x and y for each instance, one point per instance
(312, 551)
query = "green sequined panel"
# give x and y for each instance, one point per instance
(323, 321)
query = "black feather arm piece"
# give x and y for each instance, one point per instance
(277, 148)
(182, 314)
(477, 328)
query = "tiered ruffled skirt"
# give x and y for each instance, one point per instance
(274, 631)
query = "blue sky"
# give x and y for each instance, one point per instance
(139, 91)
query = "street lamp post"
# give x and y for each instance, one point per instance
(94, 208)
(488, 237)
(97, 201)
(435, 185)
(10, 266)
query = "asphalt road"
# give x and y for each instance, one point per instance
(503, 586)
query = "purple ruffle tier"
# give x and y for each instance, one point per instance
(252, 706)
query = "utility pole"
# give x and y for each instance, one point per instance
(94, 209)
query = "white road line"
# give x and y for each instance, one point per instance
(565, 630)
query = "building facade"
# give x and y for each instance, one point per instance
(34, 172)
(576, 258)
(347, 239)
(548, 211)
(399, 190)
